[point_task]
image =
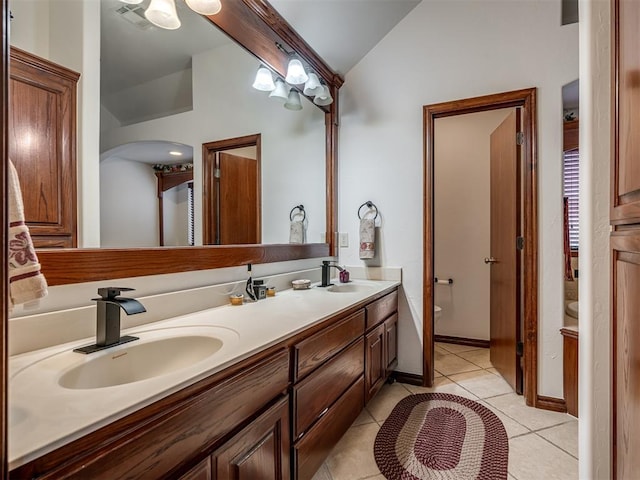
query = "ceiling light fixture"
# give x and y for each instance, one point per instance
(295, 72)
(175, 153)
(293, 101)
(324, 98)
(313, 87)
(281, 91)
(162, 13)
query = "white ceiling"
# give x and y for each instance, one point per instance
(151, 152)
(341, 31)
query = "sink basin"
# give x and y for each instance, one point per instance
(158, 352)
(348, 288)
(141, 361)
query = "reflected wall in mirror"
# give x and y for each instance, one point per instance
(188, 86)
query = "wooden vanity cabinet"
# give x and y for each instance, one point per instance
(42, 146)
(381, 342)
(328, 393)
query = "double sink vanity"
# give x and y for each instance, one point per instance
(261, 391)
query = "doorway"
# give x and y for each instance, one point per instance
(525, 199)
(232, 191)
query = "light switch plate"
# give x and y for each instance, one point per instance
(344, 240)
(323, 237)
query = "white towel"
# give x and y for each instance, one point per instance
(367, 238)
(26, 283)
(296, 231)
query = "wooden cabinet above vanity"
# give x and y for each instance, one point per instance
(275, 414)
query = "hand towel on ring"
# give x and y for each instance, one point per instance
(367, 238)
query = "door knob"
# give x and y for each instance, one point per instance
(490, 260)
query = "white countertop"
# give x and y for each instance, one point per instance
(44, 416)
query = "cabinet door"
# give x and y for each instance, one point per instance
(374, 364)
(259, 451)
(202, 471)
(391, 344)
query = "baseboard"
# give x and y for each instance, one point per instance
(410, 378)
(472, 342)
(551, 403)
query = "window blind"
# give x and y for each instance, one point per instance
(571, 175)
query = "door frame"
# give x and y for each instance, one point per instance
(525, 98)
(208, 180)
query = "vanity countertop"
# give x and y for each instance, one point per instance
(44, 416)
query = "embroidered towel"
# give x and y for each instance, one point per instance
(296, 231)
(367, 238)
(26, 283)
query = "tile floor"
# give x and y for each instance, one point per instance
(542, 444)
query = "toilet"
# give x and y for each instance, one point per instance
(437, 312)
(571, 309)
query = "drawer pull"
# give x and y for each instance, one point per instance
(323, 412)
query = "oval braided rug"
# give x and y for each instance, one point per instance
(441, 436)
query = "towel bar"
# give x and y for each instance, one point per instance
(301, 210)
(369, 204)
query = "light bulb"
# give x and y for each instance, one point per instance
(295, 72)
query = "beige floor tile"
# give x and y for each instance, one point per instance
(352, 458)
(564, 436)
(533, 458)
(512, 427)
(376, 477)
(436, 373)
(323, 473)
(444, 385)
(533, 418)
(439, 349)
(482, 383)
(510, 477)
(453, 348)
(479, 357)
(388, 397)
(493, 370)
(452, 364)
(438, 382)
(364, 418)
(439, 355)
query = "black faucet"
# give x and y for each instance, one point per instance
(108, 327)
(326, 276)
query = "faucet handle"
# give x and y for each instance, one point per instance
(109, 293)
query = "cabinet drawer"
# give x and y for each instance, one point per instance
(159, 447)
(319, 390)
(315, 350)
(314, 447)
(381, 309)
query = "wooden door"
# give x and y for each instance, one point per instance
(391, 344)
(625, 241)
(239, 212)
(259, 451)
(503, 261)
(201, 471)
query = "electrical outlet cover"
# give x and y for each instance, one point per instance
(344, 240)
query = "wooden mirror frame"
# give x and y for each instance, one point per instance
(257, 27)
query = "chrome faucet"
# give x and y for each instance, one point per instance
(108, 326)
(326, 276)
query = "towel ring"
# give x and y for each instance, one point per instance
(301, 208)
(369, 204)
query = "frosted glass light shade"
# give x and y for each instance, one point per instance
(162, 13)
(264, 80)
(323, 98)
(281, 91)
(295, 72)
(131, 2)
(293, 101)
(313, 86)
(205, 7)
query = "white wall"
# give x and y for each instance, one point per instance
(446, 50)
(225, 106)
(595, 262)
(462, 211)
(176, 216)
(130, 191)
(67, 32)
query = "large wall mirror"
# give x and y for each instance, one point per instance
(166, 93)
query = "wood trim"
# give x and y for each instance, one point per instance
(525, 98)
(66, 266)
(209, 184)
(472, 342)
(4, 275)
(331, 126)
(409, 378)
(570, 135)
(551, 403)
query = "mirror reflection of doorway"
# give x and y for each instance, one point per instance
(231, 193)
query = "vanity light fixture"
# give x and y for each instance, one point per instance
(281, 91)
(264, 80)
(295, 72)
(175, 153)
(293, 101)
(162, 13)
(313, 87)
(323, 98)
